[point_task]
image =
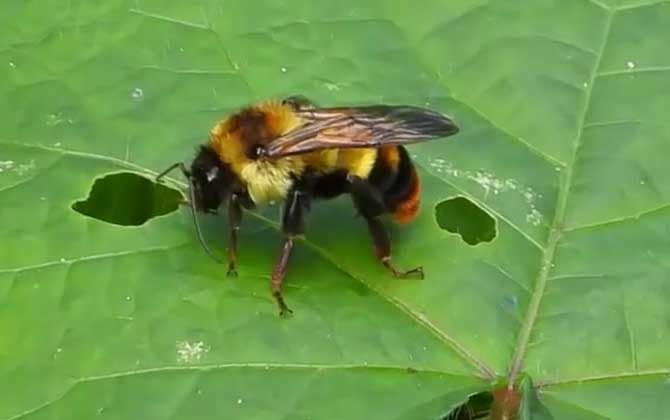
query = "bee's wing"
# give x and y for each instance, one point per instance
(371, 126)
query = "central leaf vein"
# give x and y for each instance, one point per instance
(557, 227)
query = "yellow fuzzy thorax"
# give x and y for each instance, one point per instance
(271, 180)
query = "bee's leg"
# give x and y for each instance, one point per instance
(383, 249)
(369, 203)
(293, 224)
(234, 220)
(298, 102)
(278, 273)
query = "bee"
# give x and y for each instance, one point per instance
(294, 152)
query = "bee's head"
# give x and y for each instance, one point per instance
(212, 181)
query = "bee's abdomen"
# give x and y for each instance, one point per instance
(396, 178)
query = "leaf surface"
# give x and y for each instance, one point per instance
(564, 141)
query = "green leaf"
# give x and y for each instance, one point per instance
(564, 141)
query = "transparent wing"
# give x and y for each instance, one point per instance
(372, 126)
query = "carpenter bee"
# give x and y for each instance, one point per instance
(294, 152)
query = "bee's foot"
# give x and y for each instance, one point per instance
(284, 310)
(232, 271)
(416, 272)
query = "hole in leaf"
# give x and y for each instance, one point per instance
(127, 199)
(462, 216)
(478, 406)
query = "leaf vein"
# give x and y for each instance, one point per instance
(548, 158)
(169, 19)
(623, 219)
(209, 368)
(514, 226)
(92, 257)
(557, 224)
(628, 72)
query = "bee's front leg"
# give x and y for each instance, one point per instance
(298, 102)
(293, 224)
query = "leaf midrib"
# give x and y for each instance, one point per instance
(557, 225)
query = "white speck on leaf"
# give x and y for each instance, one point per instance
(630, 64)
(488, 182)
(6, 165)
(55, 119)
(128, 298)
(491, 184)
(534, 217)
(12, 65)
(43, 198)
(585, 84)
(57, 144)
(333, 87)
(528, 195)
(239, 400)
(284, 70)
(22, 168)
(137, 93)
(58, 350)
(190, 352)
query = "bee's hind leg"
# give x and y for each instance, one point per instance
(370, 204)
(383, 250)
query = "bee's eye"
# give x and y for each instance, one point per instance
(212, 173)
(257, 152)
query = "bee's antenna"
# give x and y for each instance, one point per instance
(172, 168)
(191, 191)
